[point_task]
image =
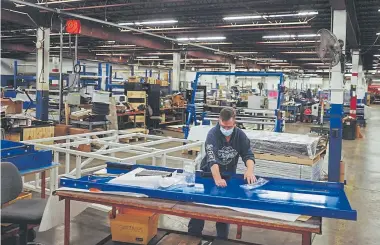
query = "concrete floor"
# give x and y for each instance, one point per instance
(363, 190)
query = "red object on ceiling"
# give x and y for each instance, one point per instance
(73, 26)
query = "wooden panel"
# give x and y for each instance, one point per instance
(136, 105)
(179, 239)
(136, 94)
(140, 119)
(39, 133)
(13, 137)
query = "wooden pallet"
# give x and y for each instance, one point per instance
(134, 139)
(291, 159)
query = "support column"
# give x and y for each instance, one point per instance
(42, 76)
(232, 78)
(176, 72)
(361, 84)
(354, 82)
(336, 111)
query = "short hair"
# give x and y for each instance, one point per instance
(227, 113)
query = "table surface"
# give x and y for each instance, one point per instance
(130, 113)
(184, 209)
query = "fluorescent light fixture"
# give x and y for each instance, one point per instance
(250, 17)
(209, 43)
(126, 23)
(147, 57)
(290, 36)
(110, 42)
(156, 22)
(299, 52)
(246, 17)
(199, 38)
(348, 64)
(285, 41)
(377, 55)
(148, 22)
(116, 46)
(243, 52)
(378, 33)
(112, 54)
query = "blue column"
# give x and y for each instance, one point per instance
(15, 73)
(100, 71)
(132, 70)
(146, 73)
(108, 75)
(150, 73)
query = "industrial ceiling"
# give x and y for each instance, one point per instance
(273, 34)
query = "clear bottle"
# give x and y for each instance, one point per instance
(189, 172)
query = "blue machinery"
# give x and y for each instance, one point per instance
(192, 117)
(25, 157)
(321, 199)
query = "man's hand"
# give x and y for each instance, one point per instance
(249, 176)
(220, 182)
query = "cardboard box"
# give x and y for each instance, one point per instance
(134, 79)
(13, 107)
(134, 226)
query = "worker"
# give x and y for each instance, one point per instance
(224, 144)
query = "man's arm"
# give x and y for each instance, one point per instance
(212, 160)
(217, 177)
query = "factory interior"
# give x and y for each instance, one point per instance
(190, 122)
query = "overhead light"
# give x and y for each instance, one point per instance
(126, 23)
(148, 22)
(156, 22)
(378, 33)
(208, 43)
(159, 53)
(290, 36)
(147, 57)
(299, 52)
(116, 46)
(110, 42)
(199, 38)
(112, 54)
(377, 55)
(243, 52)
(285, 41)
(250, 17)
(348, 64)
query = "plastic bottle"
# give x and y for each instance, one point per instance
(189, 172)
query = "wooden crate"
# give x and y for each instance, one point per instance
(136, 94)
(291, 159)
(39, 133)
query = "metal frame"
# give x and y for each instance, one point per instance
(109, 146)
(191, 106)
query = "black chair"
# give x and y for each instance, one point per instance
(154, 122)
(23, 212)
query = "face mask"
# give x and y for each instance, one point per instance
(226, 132)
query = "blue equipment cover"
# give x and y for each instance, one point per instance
(25, 157)
(321, 199)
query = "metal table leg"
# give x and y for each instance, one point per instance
(306, 238)
(67, 222)
(43, 184)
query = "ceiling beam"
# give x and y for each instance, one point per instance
(110, 34)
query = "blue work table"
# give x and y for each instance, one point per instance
(321, 199)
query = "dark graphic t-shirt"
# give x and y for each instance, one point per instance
(226, 154)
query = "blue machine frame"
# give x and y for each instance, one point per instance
(192, 117)
(25, 157)
(321, 199)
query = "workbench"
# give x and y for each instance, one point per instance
(189, 210)
(126, 115)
